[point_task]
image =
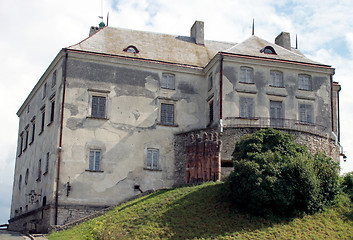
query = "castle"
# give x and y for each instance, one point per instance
(118, 113)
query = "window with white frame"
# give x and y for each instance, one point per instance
(98, 107)
(94, 160)
(168, 81)
(246, 109)
(152, 158)
(246, 75)
(306, 113)
(304, 82)
(210, 81)
(276, 79)
(167, 114)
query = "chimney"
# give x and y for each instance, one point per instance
(283, 40)
(197, 32)
(93, 30)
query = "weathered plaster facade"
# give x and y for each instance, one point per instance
(113, 115)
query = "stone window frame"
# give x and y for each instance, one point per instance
(210, 111)
(210, 81)
(26, 132)
(44, 91)
(305, 82)
(152, 152)
(308, 110)
(273, 81)
(20, 182)
(53, 79)
(20, 143)
(33, 130)
(246, 75)
(52, 110)
(168, 81)
(42, 123)
(244, 103)
(167, 101)
(39, 173)
(47, 158)
(101, 94)
(92, 162)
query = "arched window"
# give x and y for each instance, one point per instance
(131, 49)
(268, 50)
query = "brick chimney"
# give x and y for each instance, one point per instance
(197, 32)
(283, 40)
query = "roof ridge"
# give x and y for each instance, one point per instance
(79, 43)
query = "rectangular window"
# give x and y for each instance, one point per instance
(43, 121)
(44, 93)
(210, 108)
(167, 114)
(276, 79)
(53, 80)
(33, 130)
(94, 160)
(246, 75)
(304, 82)
(98, 107)
(210, 81)
(21, 144)
(276, 114)
(47, 163)
(39, 169)
(26, 137)
(168, 81)
(52, 111)
(306, 113)
(152, 158)
(246, 108)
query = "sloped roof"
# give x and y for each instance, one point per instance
(178, 49)
(254, 44)
(154, 46)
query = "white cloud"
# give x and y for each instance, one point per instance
(34, 32)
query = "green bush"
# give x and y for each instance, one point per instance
(347, 184)
(273, 175)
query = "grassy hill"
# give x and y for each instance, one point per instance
(198, 212)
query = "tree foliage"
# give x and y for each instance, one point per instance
(273, 175)
(347, 184)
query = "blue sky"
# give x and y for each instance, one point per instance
(33, 32)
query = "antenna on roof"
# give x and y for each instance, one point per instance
(101, 24)
(253, 27)
(107, 18)
(296, 41)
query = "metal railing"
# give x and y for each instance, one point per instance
(276, 123)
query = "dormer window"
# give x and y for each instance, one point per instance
(131, 49)
(268, 50)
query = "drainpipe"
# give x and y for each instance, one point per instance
(332, 123)
(221, 93)
(338, 117)
(60, 140)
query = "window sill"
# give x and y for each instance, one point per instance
(19, 155)
(247, 118)
(251, 83)
(40, 133)
(38, 179)
(152, 169)
(307, 90)
(31, 142)
(98, 118)
(167, 88)
(305, 123)
(168, 125)
(45, 173)
(97, 171)
(50, 123)
(24, 149)
(276, 86)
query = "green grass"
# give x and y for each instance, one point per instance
(199, 213)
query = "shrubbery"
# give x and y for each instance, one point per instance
(273, 175)
(347, 184)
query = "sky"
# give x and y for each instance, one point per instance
(33, 32)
